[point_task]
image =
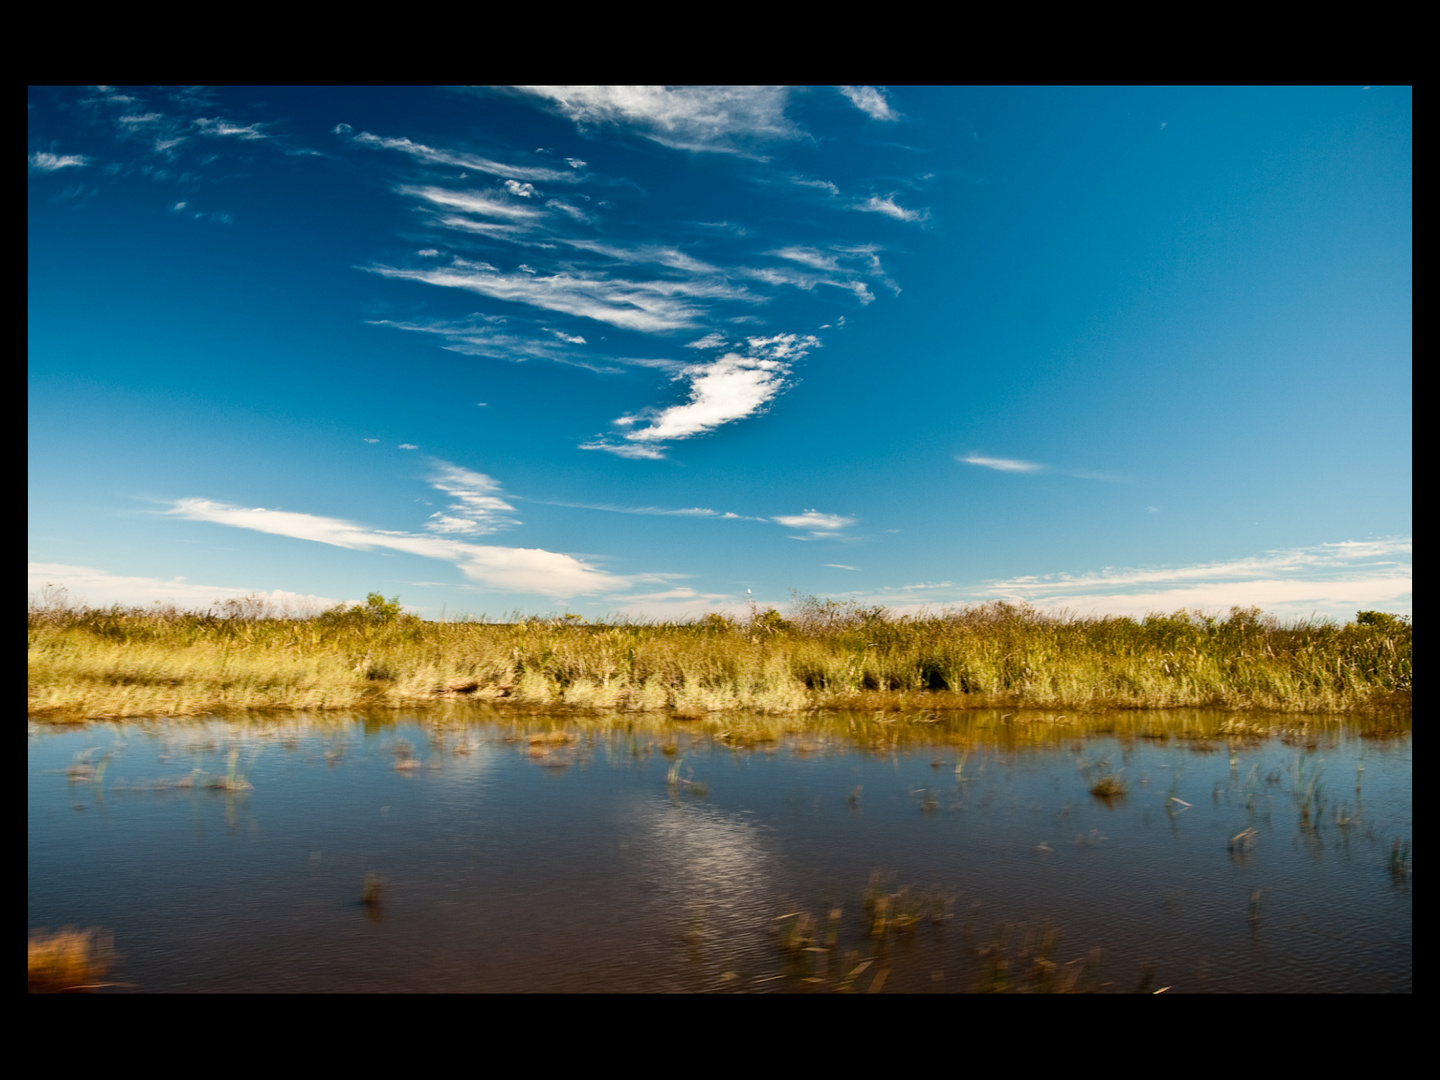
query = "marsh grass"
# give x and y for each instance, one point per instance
(69, 961)
(89, 663)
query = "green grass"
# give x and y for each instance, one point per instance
(87, 662)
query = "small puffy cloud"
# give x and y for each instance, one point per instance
(575, 163)
(408, 446)
(709, 341)
(723, 390)
(516, 187)
(727, 389)
(47, 162)
(816, 522)
(890, 208)
(871, 101)
(1002, 464)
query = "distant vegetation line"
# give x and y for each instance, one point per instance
(112, 662)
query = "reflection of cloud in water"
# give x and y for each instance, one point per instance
(711, 870)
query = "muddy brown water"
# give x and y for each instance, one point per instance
(391, 854)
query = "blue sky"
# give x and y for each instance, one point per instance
(653, 352)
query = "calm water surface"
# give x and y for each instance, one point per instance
(595, 859)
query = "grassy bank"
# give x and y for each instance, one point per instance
(87, 662)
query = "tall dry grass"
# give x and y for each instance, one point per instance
(87, 662)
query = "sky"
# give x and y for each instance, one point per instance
(653, 352)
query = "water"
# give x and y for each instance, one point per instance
(663, 860)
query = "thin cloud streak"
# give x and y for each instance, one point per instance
(648, 307)
(1002, 464)
(453, 158)
(1333, 579)
(890, 208)
(88, 586)
(517, 570)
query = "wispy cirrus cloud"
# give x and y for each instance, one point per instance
(641, 283)
(871, 101)
(479, 507)
(459, 159)
(890, 208)
(658, 511)
(87, 586)
(648, 307)
(507, 569)
(496, 338)
(725, 119)
(1015, 465)
(474, 202)
(1332, 579)
(1002, 464)
(48, 162)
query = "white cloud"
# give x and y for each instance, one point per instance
(823, 185)
(626, 450)
(47, 162)
(890, 208)
(455, 158)
(524, 191)
(478, 508)
(819, 524)
(715, 118)
(90, 587)
(645, 306)
(840, 566)
(473, 202)
(729, 388)
(709, 341)
(505, 569)
(870, 100)
(726, 389)
(1002, 464)
(808, 256)
(1335, 580)
(225, 128)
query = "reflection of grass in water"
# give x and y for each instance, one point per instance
(1013, 958)
(69, 961)
(119, 662)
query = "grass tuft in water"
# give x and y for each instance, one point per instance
(69, 961)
